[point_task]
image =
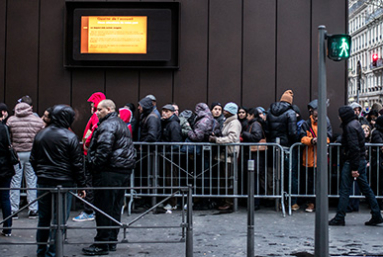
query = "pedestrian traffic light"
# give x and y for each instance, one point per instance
(338, 47)
(375, 58)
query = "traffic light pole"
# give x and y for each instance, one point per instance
(321, 212)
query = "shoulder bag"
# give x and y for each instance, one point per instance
(13, 157)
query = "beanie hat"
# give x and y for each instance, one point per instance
(214, 105)
(169, 107)
(287, 96)
(231, 107)
(3, 107)
(261, 109)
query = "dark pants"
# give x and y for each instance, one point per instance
(45, 218)
(89, 192)
(109, 201)
(5, 203)
(345, 187)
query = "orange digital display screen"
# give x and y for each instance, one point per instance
(113, 34)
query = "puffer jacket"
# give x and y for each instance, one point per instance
(231, 132)
(309, 157)
(6, 168)
(56, 154)
(111, 148)
(203, 125)
(95, 98)
(24, 126)
(282, 122)
(353, 139)
(150, 123)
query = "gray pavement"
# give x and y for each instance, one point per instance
(217, 234)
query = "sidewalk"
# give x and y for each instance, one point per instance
(218, 235)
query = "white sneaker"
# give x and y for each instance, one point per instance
(84, 217)
(168, 207)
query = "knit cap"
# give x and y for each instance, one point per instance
(214, 105)
(287, 96)
(3, 107)
(231, 107)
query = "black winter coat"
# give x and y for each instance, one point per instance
(6, 168)
(111, 148)
(254, 131)
(353, 141)
(56, 155)
(282, 122)
(376, 138)
(171, 131)
(150, 123)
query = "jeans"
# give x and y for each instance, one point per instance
(45, 219)
(5, 204)
(30, 179)
(345, 187)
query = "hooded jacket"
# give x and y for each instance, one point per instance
(126, 116)
(203, 125)
(111, 148)
(150, 123)
(282, 122)
(56, 154)
(362, 120)
(353, 139)
(314, 105)
(95, 98)
(309, 130)
(24, 126)
(6, 168)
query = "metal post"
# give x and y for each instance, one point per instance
(359, 71)
(59, 217)
(235, 181)
(278, 161)
(250, 208)
(189, 230)
(321, 213)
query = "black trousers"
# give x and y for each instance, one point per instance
(110, 201)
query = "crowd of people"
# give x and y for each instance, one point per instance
(50, 153)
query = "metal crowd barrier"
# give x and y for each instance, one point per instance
(304, 177)
(213, 170)
(59, 225)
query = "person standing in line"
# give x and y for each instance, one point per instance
(216, 111)
(111, 159)
(308, 135)
(354, 168)
(171, 132)
(23, 126)
(230, 133)
(94, 100)
(6, 172)
(57, 160)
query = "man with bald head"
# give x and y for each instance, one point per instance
(111, 158)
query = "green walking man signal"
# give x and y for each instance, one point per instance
(338, 47)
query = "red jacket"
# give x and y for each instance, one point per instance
(95, 98)
(126, 116)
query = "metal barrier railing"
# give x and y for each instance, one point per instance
(302, 177)
(59, 225)
(213, 170)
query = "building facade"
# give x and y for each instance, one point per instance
(366, 29)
